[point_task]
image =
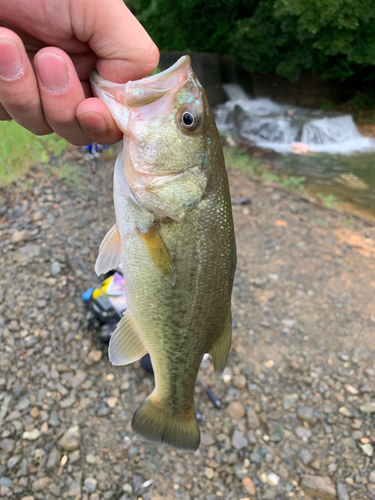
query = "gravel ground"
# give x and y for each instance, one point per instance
(299, 389)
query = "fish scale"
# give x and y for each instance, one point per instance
(174, 235)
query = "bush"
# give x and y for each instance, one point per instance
(335, 38)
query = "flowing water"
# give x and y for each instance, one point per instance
(337, 159)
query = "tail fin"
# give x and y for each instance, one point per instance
(154, 422)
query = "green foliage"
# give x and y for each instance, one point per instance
(293, 183)
(335, 38)
(237, 158)
(269, 176)
(327, 105)
(20, 149)
(363, 101)
(329, 200)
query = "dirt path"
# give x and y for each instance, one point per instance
(299, 389)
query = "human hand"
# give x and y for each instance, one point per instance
(48, 49)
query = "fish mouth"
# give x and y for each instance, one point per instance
(141, 92)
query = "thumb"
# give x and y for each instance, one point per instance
(125, 50)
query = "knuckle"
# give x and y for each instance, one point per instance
(24, 101)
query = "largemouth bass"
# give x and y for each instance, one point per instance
(174, 236)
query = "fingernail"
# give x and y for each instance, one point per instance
(11, 66)
(53, 73)
(93, 123)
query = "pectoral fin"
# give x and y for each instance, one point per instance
(220, 350)
(158, 253)
(125, 345)
(109, 252)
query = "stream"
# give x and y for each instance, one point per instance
(326, 147)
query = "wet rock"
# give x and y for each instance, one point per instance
(319, 486)
(239, 441)
(235, 410)
(342, 492)
(307, 414)
(71, 439)
(252, 419)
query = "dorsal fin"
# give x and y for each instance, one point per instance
(109, 252)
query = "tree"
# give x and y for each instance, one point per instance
(335, 38)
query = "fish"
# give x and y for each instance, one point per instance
(174, 236)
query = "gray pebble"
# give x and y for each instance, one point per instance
(305, 457)
(239, 441)
(342, 492)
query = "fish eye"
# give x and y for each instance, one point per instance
(189, 121)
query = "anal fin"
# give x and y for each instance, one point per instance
(125, 345)
(220, 349)
(109, 252)
(158, 253)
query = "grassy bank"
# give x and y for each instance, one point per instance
(238, 158)
(19, 150)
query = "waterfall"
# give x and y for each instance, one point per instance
(277, 126)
